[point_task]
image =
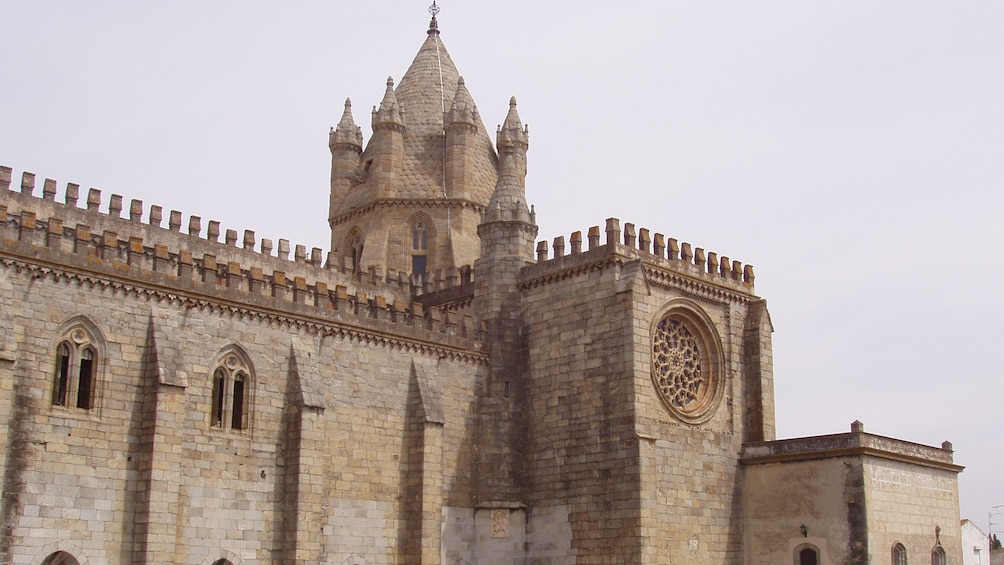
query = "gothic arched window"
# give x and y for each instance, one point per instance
(354, 249)
(419, 247)
(807, 555)
(938, 556)
(231, 393)
(76, 366)
(898, 554)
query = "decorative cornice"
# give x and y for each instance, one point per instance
(453, 203)
(38, 268)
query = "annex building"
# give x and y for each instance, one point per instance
(438, 388)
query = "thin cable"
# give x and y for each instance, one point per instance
(442, 101)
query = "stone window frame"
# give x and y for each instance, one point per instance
(696, 320)
(898, 554)
(353, 250)
(938, 555)
(421, 238)
(61, 558)
(796, 554)
(231, 383)
(75, 385)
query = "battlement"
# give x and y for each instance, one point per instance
(655, 249)
(88, 242)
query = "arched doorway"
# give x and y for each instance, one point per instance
(60, 558)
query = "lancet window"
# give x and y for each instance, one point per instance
(899, 554)
(419, 247)
(231, 392)
(75, 376)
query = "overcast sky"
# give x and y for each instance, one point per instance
(852, 151)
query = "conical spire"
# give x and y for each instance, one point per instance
(389, 112)
(347, 132)
(508, 202)
(463, 109)
(512, 128)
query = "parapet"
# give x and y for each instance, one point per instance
(655, 249)
(200, 268)
(857, 443)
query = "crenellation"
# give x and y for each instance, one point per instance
(299, 253)
(737, 268)
(26, 231)
(700, 259)
(279, 285)
(174, 221)
(82, 239)
(315, 256)
(673, 249)
(559, 246)
(5, 177)
(156, 215)
(256, 280)
(185, 265)
(331, 262)
(724, 268)
(249, 240)
(49, 190)
(93, 199)
(299, 290)
(630, 238)
(161, 259)
(284, 249)
(72, 194)
(613, 229)
(27, 183)
(135, 211)
(644, 240)
(266, 246)
(209, 268)
(110, 247)
(659, 246)
(576, 242)
(541, 251)
(213, 231)
(235, 275)
(594, 237)
(194, 226)
(712, 266)
(686, 254)
(115, 206)
(54, 233)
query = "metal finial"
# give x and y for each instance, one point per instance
(434, 9)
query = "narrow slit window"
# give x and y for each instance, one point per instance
(85, 379)
(62, 383)
(219, 381)
(237, 420)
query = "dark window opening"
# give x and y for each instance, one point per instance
(808, 556)
(62, 375)
(237, 418)
(218, 389)
(85, 379)
(418, 264)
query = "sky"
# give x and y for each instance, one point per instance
(852, 151)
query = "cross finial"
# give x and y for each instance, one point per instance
(434, 9)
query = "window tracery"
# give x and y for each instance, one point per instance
(898, 554)
(231, 393)
(686, 363)
(76, 366)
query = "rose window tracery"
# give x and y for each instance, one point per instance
(683, 368)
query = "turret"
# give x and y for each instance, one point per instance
(346, 143)
(513, 130)
(387, 145)
(461, 142)
(507, 229)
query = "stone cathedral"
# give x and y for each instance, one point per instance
(438, 388)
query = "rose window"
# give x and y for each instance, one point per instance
(683, 369)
